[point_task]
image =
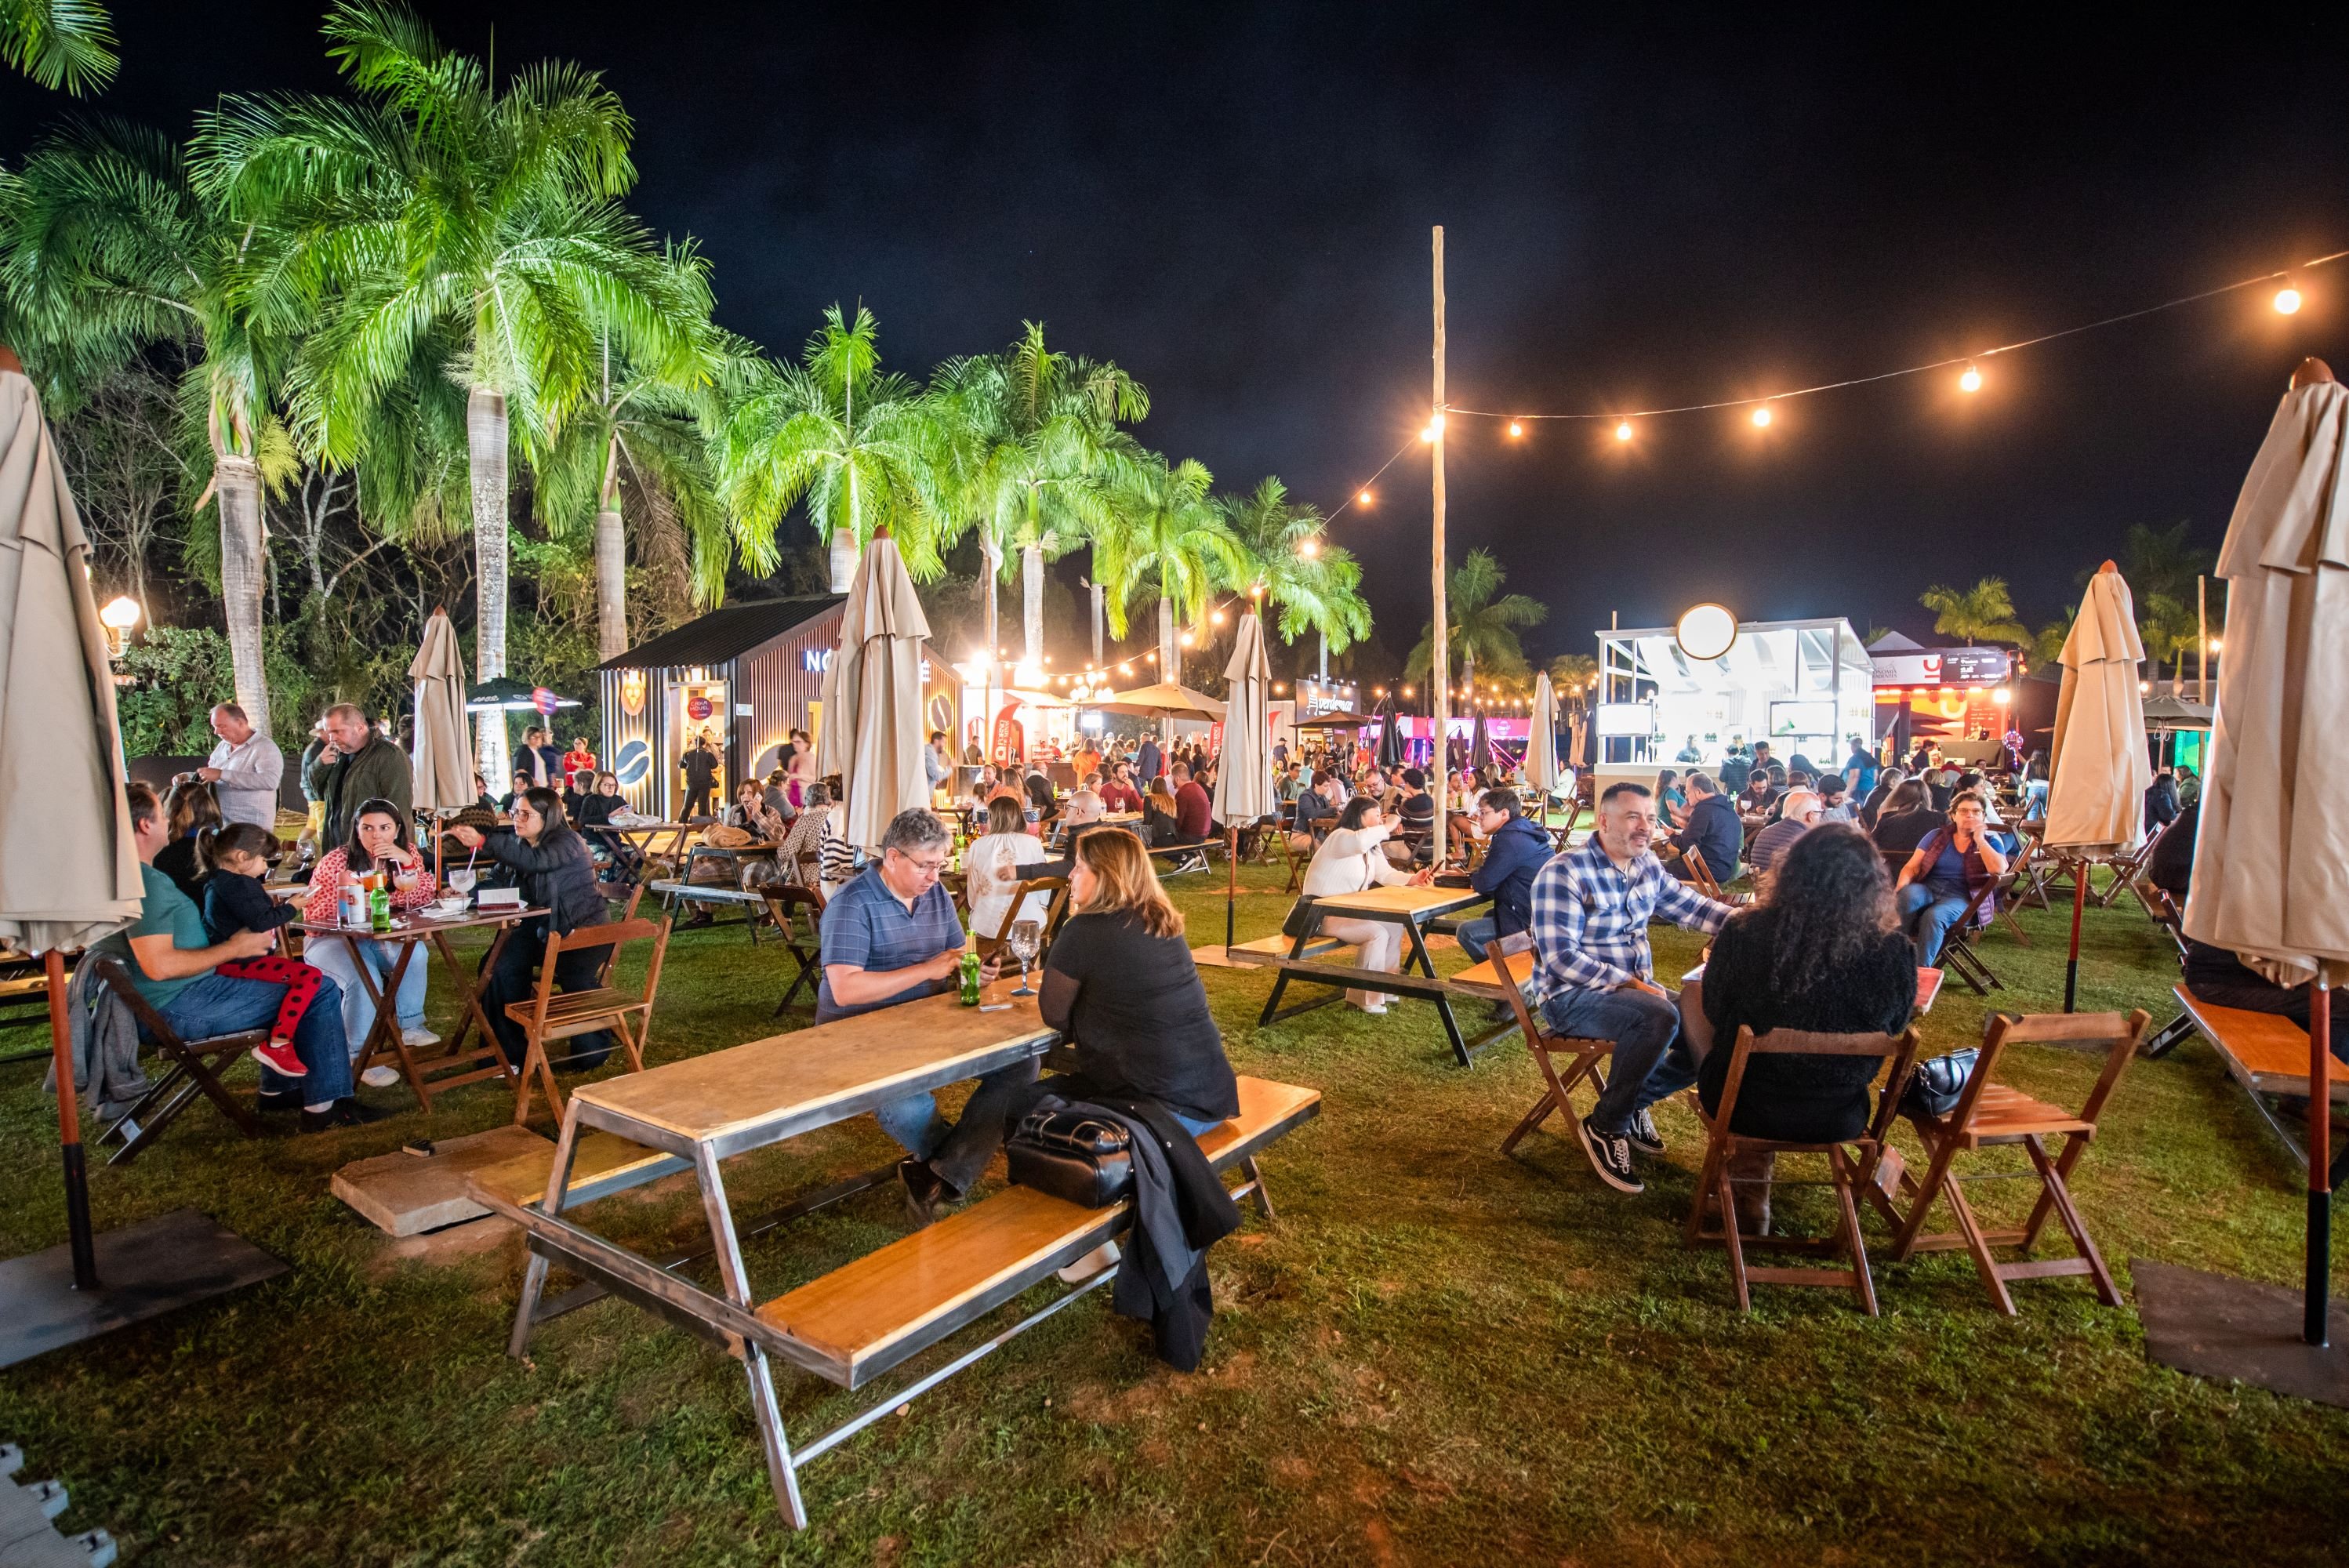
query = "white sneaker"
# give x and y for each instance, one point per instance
(379, 1077)
(417, 1038)
(1093, 1265)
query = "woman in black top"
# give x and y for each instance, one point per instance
(1823, 954)
(1120, 982)
(558, 874)
(1906, 818)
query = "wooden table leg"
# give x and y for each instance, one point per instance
(1443, 1003)
(764, 1405)
(384, 1032)
(474, 990)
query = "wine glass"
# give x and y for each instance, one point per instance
(1026, 936)
(460, 880)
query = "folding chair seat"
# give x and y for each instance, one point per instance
(1990, 1114)
(1851, 1165)
(2128, 869)
(551, 1015)
(787, 905)
(195, 1070)
(1701, 877)
(1513, 955)
(1054, 890)
(1959, 953)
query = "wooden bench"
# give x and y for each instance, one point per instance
(859, 1321)
(2266, 1052)
(753, 905)
(1273, 949)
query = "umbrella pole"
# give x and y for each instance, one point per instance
(1232, 880)
(2318, 1304)
(85, 1257)
(2079, 904)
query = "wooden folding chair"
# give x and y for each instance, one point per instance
(1851, 1165)
(1054, 911)
(786, 904)
(1298, 863)
(1513, 955)
(1958, 953)
(195, 1070)
(1990, 1113)
(552, 1014)
(1702, 879)
(2127, 869)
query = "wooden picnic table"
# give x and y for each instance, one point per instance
(643, 837)
(454, 1065)
(1412, 908)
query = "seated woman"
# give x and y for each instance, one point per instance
(992, 867)
(1352, 859)
(1120, 982)
(1158, 814)
(1671, 800)
(1041, 809)
(521, 785)
(1942, 873)
(1905, 818)
(379, 842)
(750, 814)
(558, 874)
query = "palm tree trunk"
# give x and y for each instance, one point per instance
(1031, 607)
(238, 483)
(843, 560)
(1099, 612)
(1168, 668)
(1325, 657)
(486, 456)
(991, 562)
(611, 561)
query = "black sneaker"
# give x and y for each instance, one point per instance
(346, 1112)
(1611, 1156)
(278, 1099)
(1643, 1134)
(925, 1195)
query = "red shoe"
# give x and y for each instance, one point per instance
(278, 1057)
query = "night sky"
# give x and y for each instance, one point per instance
(1235, 203)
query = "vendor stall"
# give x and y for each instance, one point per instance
(1805, 686)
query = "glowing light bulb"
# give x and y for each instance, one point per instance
(1185, 639)
(2287, 300)
(1623, 430)
(1970, 381)
(1762, 418)
(1515, 428)
(1309, 547)
(1216, 618)
(121, 613)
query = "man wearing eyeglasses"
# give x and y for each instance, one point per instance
(890, 935)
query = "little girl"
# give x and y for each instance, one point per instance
(236, 856)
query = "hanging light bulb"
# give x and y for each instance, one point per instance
(1309, 547)
(1362, 498)
(2287, 298)
(1623, 430)
(1216, 618)
(1516, 429)
(1970, 381)
(1762, 417)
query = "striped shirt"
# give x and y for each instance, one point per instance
(1590, 919)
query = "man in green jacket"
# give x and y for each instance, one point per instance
(357, 766)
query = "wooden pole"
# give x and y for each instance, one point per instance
(2317, 1297)
(2079, 904)
(2202, 619)
(77, 1234)
(1439, 666)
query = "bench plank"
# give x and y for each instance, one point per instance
(2265, 1052)
(868, 1316)
(705, 892)
(1272, 949)
(603, 1164)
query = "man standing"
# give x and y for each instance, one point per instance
(891, 936)
(172, 960)
(355, 765)
(1145, 761)
(1689, 753)
(935, 767)
(1594, 977)
(1859, 770)
(244, 770)
(700, 766)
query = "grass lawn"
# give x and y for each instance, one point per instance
(1437, 1356)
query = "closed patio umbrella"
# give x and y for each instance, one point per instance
(1480, 743)
(68, 864)
(2099, 770)
(442, 760)
(2272, 858)
(870, 731)
(1541, 746)
(1390, 736)
(1244, 774)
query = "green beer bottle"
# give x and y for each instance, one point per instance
(970, 991)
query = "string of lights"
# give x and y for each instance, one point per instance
(2289, 297)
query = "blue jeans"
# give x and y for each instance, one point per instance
(1651, 1060)
(1926, 916)
(2034, 799)
(217, 1005)
(1475, 936)
(334, 955)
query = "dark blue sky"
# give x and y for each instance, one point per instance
(1233, 203)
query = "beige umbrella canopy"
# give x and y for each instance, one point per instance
(1244, 773)
(1541, 746)
(870, 729)
(2272, 858)
(2098, 769)
(1166, 697)
(69, 867)
(442, 760)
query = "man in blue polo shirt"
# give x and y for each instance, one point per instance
(891, 936)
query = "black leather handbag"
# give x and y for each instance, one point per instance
(1938, 1083)
(1084, 1158)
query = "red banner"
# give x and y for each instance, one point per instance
(1216, 739)
(1011, 738)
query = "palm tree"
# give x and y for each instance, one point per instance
(65, 44)
(860, 448)
(1574, 678)
(1316, 583)
(109, 248)
(1983, 613)
(441, 226)
(2171, 631)
(2160, 561)
(1485, 623)
(642, 439)
(1173, 541)
(1035, 438)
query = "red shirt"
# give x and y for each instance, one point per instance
(1193, 811)
(1117, 795)
(575, 763)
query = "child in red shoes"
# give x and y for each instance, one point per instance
(236, 859)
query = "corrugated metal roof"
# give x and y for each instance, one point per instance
(725, 634)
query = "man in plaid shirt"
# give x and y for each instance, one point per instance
(1594, 978)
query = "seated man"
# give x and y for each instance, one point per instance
(1117, 791)
(1319, 803)
(1194, 808)
(1516, 850)
(1713, 830)
(891, 936)
(172, 960)
(1797, 810)
(1415, 812)
(1594, 977)
(1084, 806)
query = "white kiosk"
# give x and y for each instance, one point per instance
(1805, 686)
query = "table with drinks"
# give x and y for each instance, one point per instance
(364, 914)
